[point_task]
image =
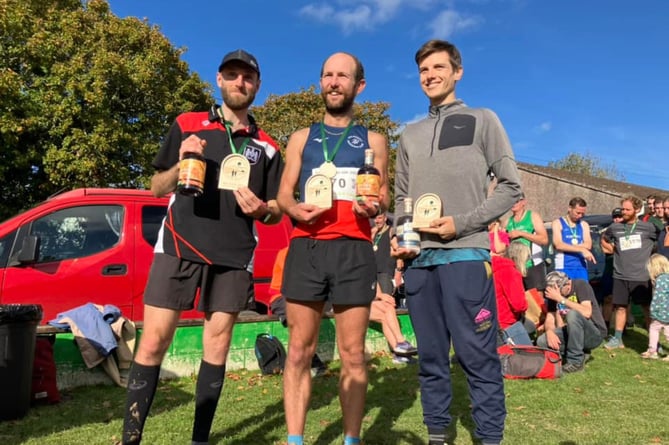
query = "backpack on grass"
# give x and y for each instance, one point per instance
(44, 380)
(270, 353)
(529, 362)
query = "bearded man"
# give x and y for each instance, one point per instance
(330, 256)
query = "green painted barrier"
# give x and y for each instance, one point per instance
(184, 355)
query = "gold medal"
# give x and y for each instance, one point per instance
(328, 169)
(574, 241)
(376, 247)
(235, 172)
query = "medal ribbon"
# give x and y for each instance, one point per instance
(330, 157)
(228, 129)
(377, 237)
(574, 231)
(627, 234)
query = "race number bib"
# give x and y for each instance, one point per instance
(343, 183)
(630, 242)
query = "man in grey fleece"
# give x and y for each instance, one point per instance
(452, 153)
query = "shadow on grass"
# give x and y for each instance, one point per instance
(99, 404)
(269, 420)
(394, 390)
(636, 339)
(262, 427)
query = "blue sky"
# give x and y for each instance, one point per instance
(569, 76)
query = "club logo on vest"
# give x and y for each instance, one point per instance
(252, 154)
(355, 141)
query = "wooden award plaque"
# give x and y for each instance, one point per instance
(426, 209)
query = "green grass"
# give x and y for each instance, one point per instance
(618, 399)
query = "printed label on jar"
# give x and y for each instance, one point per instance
(191, 173)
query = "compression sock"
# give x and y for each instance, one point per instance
(618, 334)
(294, 439)
(436, 436)
(142, 383)
(348, 440)
(207, 392)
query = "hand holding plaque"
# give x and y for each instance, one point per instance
(427, 208)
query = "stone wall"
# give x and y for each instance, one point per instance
(550, 196)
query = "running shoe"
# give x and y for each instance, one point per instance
(405, 348)
(572, 367)
(650, 354)
(614, 343)
(403, 360)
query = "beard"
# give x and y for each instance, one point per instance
(238, 102)
(628, 218)
(342, 108)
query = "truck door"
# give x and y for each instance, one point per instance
(82, 258)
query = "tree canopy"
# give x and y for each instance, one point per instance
(587, 164)
(86, 98)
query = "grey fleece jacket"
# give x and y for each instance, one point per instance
(451, 153)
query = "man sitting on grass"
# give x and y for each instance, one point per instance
(574, 323)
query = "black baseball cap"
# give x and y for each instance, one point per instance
(239, 55)
(617, 213)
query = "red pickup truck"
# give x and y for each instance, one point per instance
(96, 245)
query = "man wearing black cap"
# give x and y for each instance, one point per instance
(206, 242)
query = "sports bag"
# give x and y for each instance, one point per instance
(44, 381)
(270, 353)
(529, 362)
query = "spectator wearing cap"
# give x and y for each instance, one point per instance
(208, 241)
(574, 323)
